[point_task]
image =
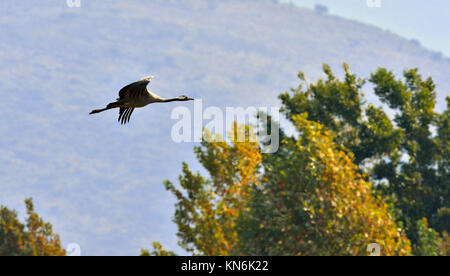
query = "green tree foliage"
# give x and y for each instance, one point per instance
(407, 155)
(444, 244)
(314, 202)
(34, 238)
(158, 251)
(339, 106)
(427, 240)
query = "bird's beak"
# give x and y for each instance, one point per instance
(190, 99)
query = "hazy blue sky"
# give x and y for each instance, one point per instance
(427, 21)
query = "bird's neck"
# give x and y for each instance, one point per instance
(172, 100)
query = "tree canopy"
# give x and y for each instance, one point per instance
(405, 154)
(354, 174)
(32, 238)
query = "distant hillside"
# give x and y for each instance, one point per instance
(100, 183)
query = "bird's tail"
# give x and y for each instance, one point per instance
(109, 106)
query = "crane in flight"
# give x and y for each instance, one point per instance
(136, 95)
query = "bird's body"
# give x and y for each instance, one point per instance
(136, 95)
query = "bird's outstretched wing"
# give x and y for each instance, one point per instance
(134, 90)
(125, 115)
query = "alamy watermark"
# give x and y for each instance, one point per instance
(373, 3)
(73, 250)
(189, 127)
(374, 249)
(73, 3)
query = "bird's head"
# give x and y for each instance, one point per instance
(149, 78)
(185, 98)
